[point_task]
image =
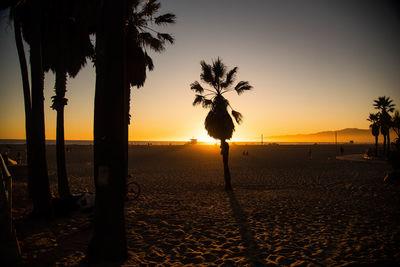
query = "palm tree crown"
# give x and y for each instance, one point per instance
(384, 104)
(140, 35)
(218, 123)
(396, 123)
(374, 119)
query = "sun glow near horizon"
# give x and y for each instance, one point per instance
(327, 81)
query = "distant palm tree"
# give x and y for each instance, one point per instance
(385, 105)
(396, 126)
(219, 123)
(374, 118)
(65, 48)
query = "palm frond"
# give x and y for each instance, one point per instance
(165, 37)
(195, 86)
(206, 74)
(147, 39)
(242, 86)
(165, 19)
(373, 117)
(219, 69)
(148, 61)
(384, 103)
(150, 8)
(198, 99)
(230, 78)
(238, 116)
(58, 102)
(207, 103)
(134, 4)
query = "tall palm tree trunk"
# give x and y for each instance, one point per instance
(27, 99)
(376, 145)
(388, 142)
(110, 162)
(384, 144)
(40, 184)
(225, 157)
(60, 86)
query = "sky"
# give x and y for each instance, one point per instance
(315, 65)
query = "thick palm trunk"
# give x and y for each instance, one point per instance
(388, 143)
(384, 144)
(225, 157)
(40, 183)
(27, 99)
(110, 121)
(376, 145)
(60, 86)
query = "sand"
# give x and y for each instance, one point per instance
(286, 209)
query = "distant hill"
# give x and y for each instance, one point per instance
(343, 136)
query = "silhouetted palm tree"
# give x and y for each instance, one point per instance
(374, 118)
(65, 48)
(142, 36)
(121, 61)
(396, 126)
(30, 16)
(219, 123)
(16, 19)
(108, 242)
(385, 105)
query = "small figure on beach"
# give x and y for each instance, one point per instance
(310, 153)
(341, 150)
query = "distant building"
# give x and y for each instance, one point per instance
(193, 141)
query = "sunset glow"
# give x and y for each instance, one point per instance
(312, 70)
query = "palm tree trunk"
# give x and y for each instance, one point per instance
(110, 162)
(27, 99)
(63, 186)
(225, 157)
(40, 184)
(384, 144)
(376, 145)
(388, 142)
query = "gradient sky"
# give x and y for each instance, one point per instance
(315, 66)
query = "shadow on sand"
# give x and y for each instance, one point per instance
(252, 250)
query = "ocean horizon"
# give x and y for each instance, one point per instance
(174, 143)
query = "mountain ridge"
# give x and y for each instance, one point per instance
(343, 136)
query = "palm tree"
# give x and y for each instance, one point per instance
(66, 47)
(374, 118)
(108, 242)
(219, 123)
(29, 18)
(121, 61)
(385, 105)
(396, 126)
(16, 19)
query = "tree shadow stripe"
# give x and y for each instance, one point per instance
(252, 250)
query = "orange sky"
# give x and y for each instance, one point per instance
(314, 67)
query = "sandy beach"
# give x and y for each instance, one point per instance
(286, 209)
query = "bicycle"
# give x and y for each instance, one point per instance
(133, 189)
